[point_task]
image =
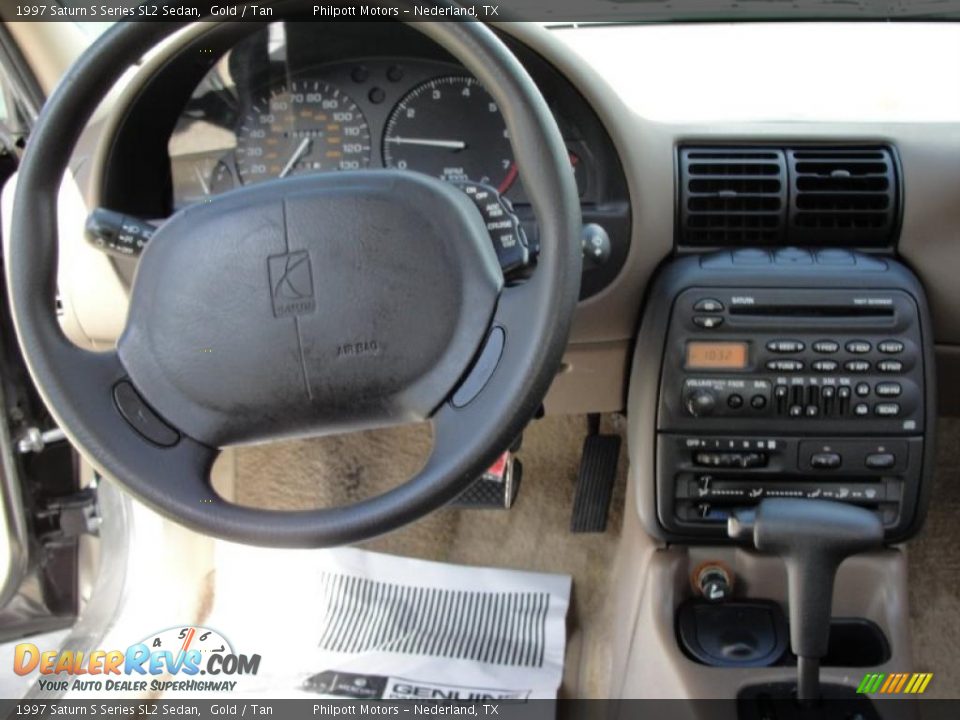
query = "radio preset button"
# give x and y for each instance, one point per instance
(826, 461)
(861, 409)
(887, 409)
(863, 389)
(826, 347)
(889, 366)
(708, 305)
(890, 347)
(785, 346)
(707, 321)
(825, 365)
(784, 365)
(858, 347)
(857, 366)
(888, 389)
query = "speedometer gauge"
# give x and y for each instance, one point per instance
(303, 126)
(450, 128)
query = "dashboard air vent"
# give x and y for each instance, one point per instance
(842, 196)
(732, 196)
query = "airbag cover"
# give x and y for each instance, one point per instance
(318, 303)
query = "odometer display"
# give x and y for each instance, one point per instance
(303, 126)
(450, 128)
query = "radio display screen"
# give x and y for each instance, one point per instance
(716, 355)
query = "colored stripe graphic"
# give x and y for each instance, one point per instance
(500, 628)
(894, 683)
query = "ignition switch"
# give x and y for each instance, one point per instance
(713, 580)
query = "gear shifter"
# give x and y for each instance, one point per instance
(813, 537)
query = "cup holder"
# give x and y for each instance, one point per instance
(755, 633)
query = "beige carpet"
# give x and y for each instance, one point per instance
(533, 535)
(934, 564)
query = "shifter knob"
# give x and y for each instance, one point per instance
(813, 537)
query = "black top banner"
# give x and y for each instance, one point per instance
(552, 11)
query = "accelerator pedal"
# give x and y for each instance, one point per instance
(598, 472)
(496, 489)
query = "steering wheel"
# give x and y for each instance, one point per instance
(304, 306)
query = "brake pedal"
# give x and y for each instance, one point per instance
(496, 489)
(598, 473)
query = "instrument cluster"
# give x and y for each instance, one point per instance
(259, 114)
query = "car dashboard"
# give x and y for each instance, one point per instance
(245, 105)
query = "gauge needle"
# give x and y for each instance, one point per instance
(295, 158)
(451, 144)
(202, 179)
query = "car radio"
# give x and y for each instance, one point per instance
(785, 379)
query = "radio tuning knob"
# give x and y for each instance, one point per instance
(701, 402)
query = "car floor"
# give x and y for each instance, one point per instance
(534, 534)
(934, 567)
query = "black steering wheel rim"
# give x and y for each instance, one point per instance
(77, 385)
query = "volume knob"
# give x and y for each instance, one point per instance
(701, 402)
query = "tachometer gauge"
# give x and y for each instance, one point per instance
(450, 128)
(303, 126)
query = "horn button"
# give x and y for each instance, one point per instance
(315, 304)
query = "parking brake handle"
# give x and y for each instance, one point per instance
(813, 537)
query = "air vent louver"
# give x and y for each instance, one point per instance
(842, 196)
(732, 196)
(762, 195)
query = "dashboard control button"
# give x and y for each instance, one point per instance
(707, 321)
(812, 411)
(880, 461)
(889, 366)
(826, 461)
(482, 370)
(863, 389)
(796, 410)
(888, 389)
(780, 394)
(701, 402)
(750, 256)
(843, 394)
(793, 256)
(824, 365)
(735, 401)
(826, 347)
(856, 366)
(785, 346)
(890, 347)
(861, 409)
(758, 402)
(858, 347)
(708, 305)
(141, 417)
(836, 257)
(784, 365)
(887, 409)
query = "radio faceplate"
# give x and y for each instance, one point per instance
(843, 361)
(784, 382)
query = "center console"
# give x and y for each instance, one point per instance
(783, 374)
